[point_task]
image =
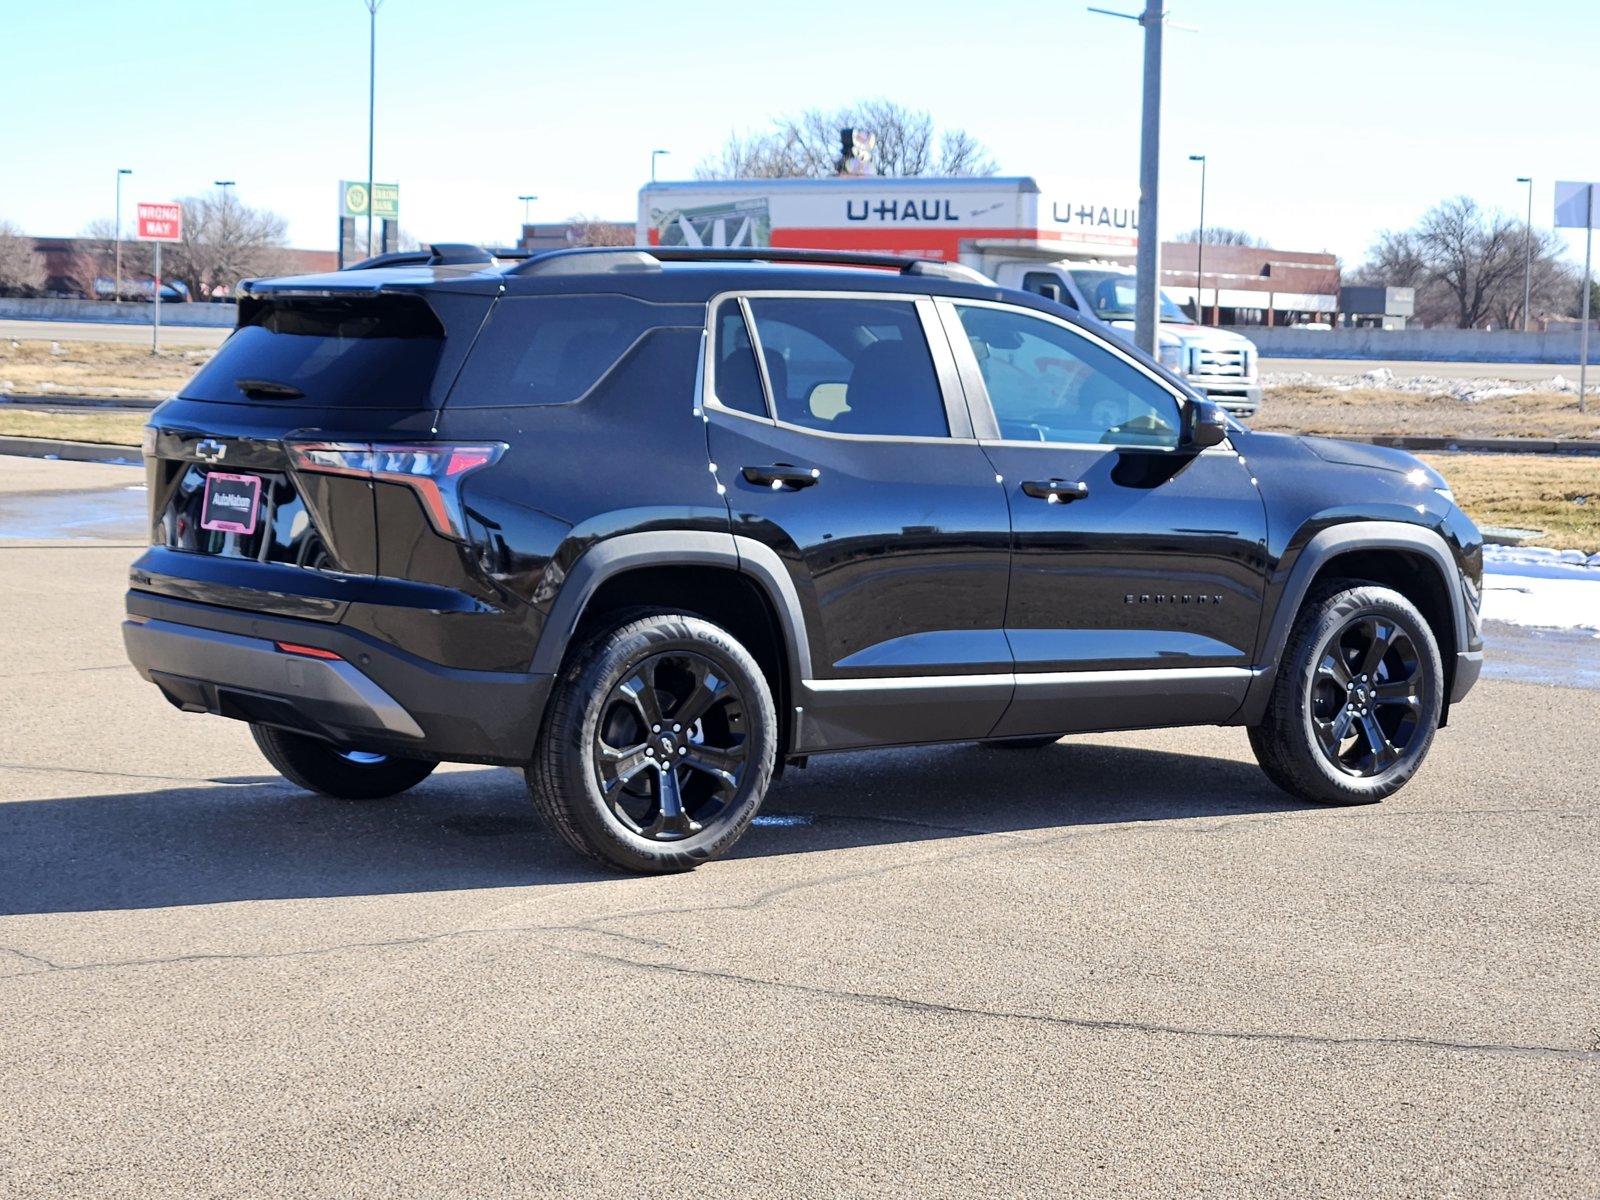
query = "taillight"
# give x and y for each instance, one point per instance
(434, 470)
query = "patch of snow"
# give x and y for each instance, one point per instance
(1469, 390)
(1542, 601)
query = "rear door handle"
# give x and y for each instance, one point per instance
(782, 477)
(1055, 491)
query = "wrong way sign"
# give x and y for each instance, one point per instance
(160, 223)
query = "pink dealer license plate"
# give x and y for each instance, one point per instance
(231, 503)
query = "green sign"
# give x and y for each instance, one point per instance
(385, 200)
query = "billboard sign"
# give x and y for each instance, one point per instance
(160, 223)
(384, 200)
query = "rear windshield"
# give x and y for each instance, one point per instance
(364, 352)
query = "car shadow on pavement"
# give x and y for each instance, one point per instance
(257, 837)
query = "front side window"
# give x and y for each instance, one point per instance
(858, 366)
(1048, 383)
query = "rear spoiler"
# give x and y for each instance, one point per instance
(439, 254)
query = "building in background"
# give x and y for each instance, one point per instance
(1253, 285)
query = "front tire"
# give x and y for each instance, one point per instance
(658, 745)
(1356, 700)
(322, 767)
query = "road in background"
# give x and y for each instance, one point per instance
(1121, 965)
(101, 331)
(1516, 372)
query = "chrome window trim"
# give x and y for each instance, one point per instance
(971, 373)
(924, 306)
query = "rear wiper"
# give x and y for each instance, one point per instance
(269, 388)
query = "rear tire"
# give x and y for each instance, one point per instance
(321, 767)
(659, 689)
(1356, 700)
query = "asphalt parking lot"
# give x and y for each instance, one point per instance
(1123, 965)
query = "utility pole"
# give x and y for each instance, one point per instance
(1527, 269)
(1588, 292)
(1200, 248)
(372, 95)
(1147, 282)
(117, 295)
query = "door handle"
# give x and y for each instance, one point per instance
(1055, 491)
(782, 477)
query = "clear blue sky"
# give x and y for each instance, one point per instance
(1324, 122)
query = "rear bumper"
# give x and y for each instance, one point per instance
(374, 696)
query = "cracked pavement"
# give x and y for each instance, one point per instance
(1122, 965)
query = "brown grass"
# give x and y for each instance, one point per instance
(1304, 408)
(111, 428)
(106, 369)
(1557, 493)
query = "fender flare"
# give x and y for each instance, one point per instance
(674, 548)
(1323, 547)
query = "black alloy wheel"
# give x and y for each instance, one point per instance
(670, 749)
(1356, 698)
(658, 744)
(1367, 698)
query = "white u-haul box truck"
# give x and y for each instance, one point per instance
(1076, 248)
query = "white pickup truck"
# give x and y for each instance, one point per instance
(1072, 246)
(1218, 362)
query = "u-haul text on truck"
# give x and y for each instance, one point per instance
(1076, 246)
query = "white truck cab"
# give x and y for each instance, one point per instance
(1217, 362)
(1075, 246)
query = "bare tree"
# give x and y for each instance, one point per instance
(1466, 264)
(1221, 235)
(224, 241)
(21, 271)
(806, 145)
(592, 231)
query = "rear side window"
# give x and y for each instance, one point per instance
(553, 349)
(737, 379)
(850, 366)
(364, 352)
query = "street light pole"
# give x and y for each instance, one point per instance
(1527, 269)
(1147, 274)
(1200, 247)
(117, 295)
(372, 95)
(655, 154)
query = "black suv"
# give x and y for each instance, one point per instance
(651, 524)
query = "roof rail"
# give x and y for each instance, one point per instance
(604, 259)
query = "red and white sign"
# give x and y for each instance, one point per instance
(160, 223)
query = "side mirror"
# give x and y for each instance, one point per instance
(1204, 424)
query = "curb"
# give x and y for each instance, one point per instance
(1479, 445)
(140, 403)
(99, 452)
